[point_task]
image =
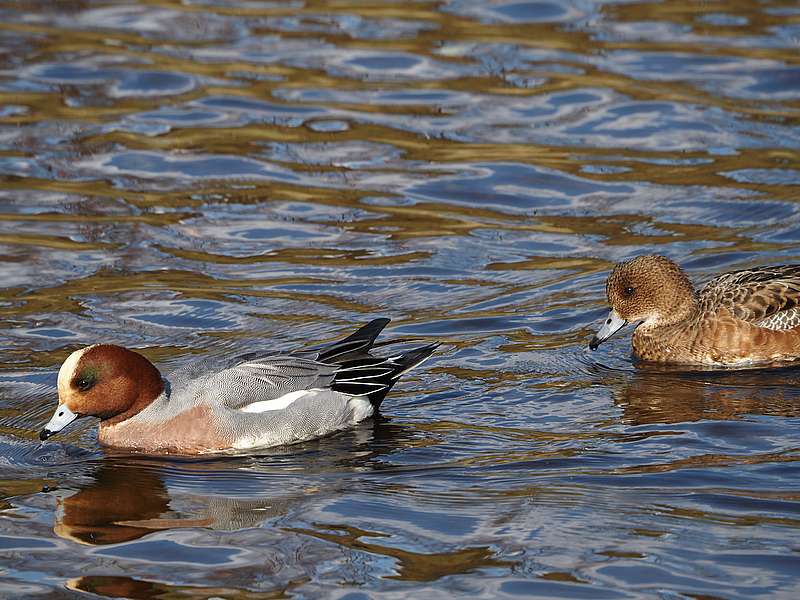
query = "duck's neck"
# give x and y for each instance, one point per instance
(684, 311)
(145, 398)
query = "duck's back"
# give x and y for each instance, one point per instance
(744, 318)
(767, 297)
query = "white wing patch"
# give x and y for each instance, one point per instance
(276, 403)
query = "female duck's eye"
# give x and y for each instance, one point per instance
(628, 292)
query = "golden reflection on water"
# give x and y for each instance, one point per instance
(411, 566)
(472, 170)
(109, 586)
(648, 398)
(109, 511)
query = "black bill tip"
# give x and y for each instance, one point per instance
(595, 343)
(45, 433)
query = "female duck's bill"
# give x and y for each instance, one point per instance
(610, 326)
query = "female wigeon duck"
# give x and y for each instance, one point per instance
(742, 318)
(253, 402)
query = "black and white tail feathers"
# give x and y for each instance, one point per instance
(374, 377)
(353, 346)
(361, 374)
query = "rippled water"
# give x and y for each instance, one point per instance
(206, 176)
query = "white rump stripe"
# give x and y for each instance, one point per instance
(276, 403)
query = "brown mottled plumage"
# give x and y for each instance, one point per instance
(742, 318)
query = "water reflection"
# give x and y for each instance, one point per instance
(658, 396)
(411, 566)
(111, 509)
(126, 498)
(127, 501)
(107, 586)
(204, 177)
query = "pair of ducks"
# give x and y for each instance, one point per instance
(742, 318)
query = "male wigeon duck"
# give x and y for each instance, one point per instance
(743, 318)
(255, 401)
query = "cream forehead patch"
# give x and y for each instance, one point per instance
(67, 370)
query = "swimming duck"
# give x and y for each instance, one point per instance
(742, 318)
(255, 401)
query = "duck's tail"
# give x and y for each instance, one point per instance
(373, 377)
(354, 346)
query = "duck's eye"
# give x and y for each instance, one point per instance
(628, 292)
(84, 384)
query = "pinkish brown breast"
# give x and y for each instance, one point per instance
(190, 432)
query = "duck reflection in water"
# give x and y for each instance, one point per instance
(659, 395)
(105, 512)
(128, 501)
(132, 497)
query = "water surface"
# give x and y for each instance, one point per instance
(208, 176)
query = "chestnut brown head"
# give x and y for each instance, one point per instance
(103, 381)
